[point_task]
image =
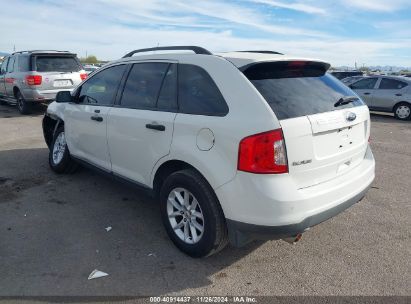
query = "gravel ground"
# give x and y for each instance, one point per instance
(52, 233)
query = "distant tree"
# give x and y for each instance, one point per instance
(89, 59)
(364, 69)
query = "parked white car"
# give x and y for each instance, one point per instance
(235, 146)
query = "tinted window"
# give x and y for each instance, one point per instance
(298, 90)
(56, 64)
(364, 84)
(143, 85)
(101, 88)
(391, 84)
(342, 75)
(198, 94)
(10, 66)
(4, 66)
(167, 100)
(23, 63)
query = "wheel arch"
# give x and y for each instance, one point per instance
(399, 102)
(167, 168)
(15, 90)
(50, 124)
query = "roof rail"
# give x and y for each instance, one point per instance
(34, 51)
(195, 49)
(262, 52)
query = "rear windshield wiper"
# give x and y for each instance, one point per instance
(345, 100)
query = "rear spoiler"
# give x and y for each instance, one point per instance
(284, 69)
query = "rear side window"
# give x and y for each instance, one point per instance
(167, 100)
(10, 66)
(365, 84)
(101, 88)
(24, 63)
(197, 92)
(391, 84)
(56, 64)
(294, 89)
(143, 85)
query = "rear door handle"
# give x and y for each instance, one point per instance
(156, 127)
(398, 94)
(97, 118)
(366, 93)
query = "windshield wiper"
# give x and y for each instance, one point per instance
(345, 100)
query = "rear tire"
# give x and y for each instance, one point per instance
(402, 111)
(23, 106)
(60, 160)
(188, 195)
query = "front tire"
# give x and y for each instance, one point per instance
(60, 160)
(23, 106)
(192, 215)
(402, 111)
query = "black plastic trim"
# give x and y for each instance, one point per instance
(124, 180)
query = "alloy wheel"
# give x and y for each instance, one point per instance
(403, 111)
(185, 215)
(59, 148)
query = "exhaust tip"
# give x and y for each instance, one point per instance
(293, 239)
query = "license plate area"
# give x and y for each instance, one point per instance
(62, 83)
(328, 144)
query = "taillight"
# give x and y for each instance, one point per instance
(263, 153)
(83, 76)
(33, 80)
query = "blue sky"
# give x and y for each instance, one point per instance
(370, 32)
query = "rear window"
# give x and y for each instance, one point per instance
(294, 89)
(56, 64)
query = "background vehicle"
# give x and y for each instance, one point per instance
(90, 68)
(218, 139)
(31, 77)
(386, 94)
(352, 79)
(345, 74)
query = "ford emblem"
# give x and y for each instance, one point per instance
(350, 116)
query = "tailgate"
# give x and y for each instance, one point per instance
(323, 146)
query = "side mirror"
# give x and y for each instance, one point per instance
(64, 96)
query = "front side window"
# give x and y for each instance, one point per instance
(391, 84)
(143, 85)
(4, 66)
(101, 88)
(197, 92)
(364, 84)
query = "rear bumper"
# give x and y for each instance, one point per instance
(41, 96)
(241, 233)
(271, 206)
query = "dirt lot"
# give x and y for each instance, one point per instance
(52, 233)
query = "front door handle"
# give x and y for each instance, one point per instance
(156, 127)
(97, 118)
(398, 94)
(366, 93)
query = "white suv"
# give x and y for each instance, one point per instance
(236, 146)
